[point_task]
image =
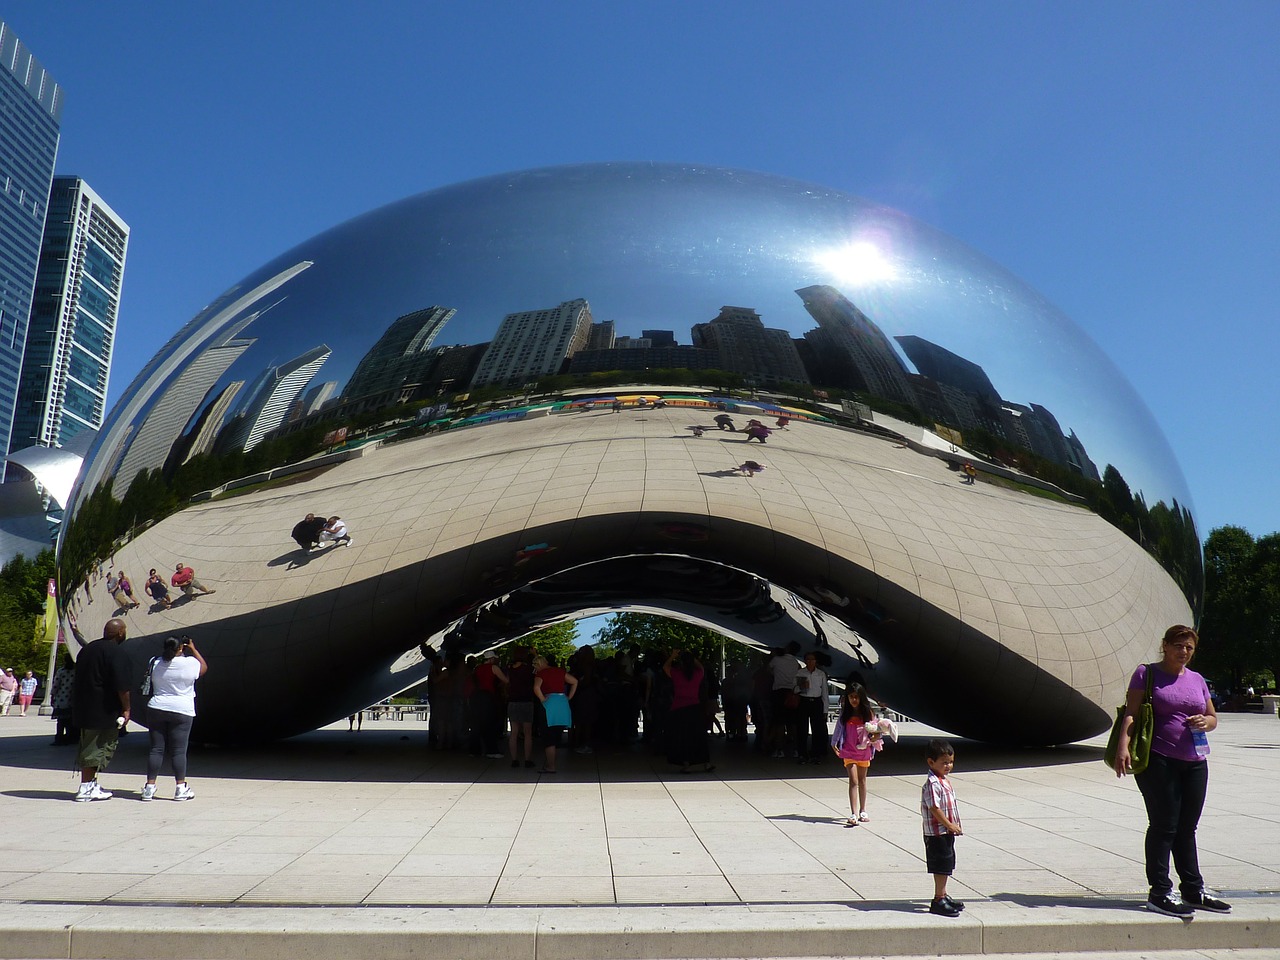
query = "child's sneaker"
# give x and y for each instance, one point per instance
(184, 792)
(1170, 906)
(148, 791)
(943, 908)
(1204, 900)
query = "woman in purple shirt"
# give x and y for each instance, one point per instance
(1177, 777)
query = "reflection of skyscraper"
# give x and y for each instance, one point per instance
(856, 351)
(318, 396)
(644, 358)
(401, 355)
(165, 421)
(1080, 458)
(601, 336)
(747, 347)
(30, 108)
(213, 326)
(276, 389)
(534, 344)
(73, 318)
(660, 338)
(947, 367)
(206, 429)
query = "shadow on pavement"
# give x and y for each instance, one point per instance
(398, 752)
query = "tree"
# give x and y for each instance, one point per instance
(1228, 558)
(651, 633)
(559, 640)
(1265, 581)
(23, 586)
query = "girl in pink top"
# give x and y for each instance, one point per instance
(856, 747)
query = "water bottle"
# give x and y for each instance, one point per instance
(1200, 740)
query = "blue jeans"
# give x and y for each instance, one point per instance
(1174, 792)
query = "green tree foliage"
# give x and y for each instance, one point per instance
(1266, 581)
(23, 586)
(560, 640)
(654, 634)
(1241, 624)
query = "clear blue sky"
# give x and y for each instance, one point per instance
(1121, 158)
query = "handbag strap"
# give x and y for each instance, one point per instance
(1150, 678)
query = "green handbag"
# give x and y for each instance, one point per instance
(1140, 737)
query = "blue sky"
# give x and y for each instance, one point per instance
(1120, 158)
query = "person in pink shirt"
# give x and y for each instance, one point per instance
(8, 690)
(687, 722)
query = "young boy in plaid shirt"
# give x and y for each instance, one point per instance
(941, 816)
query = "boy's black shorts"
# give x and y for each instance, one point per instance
(940, 855)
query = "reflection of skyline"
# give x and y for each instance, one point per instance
(664, 241)
(269, 400)
(167, 418)
(211, 327)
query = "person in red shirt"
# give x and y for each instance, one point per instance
(555, 687)
(184, 578)
(485, 700)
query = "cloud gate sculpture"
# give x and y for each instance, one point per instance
(530, 398)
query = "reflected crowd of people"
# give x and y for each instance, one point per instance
(501, 706)
(161, 592)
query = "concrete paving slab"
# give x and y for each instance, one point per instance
(393, 851)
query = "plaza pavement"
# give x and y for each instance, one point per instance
(365, 844)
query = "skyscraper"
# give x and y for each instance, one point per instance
(534, 343)
(746, 346)
(30, 112)
(856, 349)
(402, 354)
(63, 387)
(272, 395)
(947, 367)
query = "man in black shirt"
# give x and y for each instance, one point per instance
(306, 533)
(100, 706)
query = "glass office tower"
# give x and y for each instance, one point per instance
(30, 112)
(63, 387)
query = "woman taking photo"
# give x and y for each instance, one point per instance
(1176, 779)
(171, 711)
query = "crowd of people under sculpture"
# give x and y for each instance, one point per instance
(496, 706)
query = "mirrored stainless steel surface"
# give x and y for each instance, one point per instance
(508, 390)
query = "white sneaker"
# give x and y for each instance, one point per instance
(184, 792)
(91, 791)
(148, 791)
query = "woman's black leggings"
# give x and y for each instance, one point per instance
(169, 734)
(1174, 792)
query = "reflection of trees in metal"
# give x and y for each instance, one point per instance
(848, 316)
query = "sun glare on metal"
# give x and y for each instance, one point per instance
(857, 264)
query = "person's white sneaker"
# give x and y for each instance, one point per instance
(148, 791)
(184, 792)
(91, 791)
